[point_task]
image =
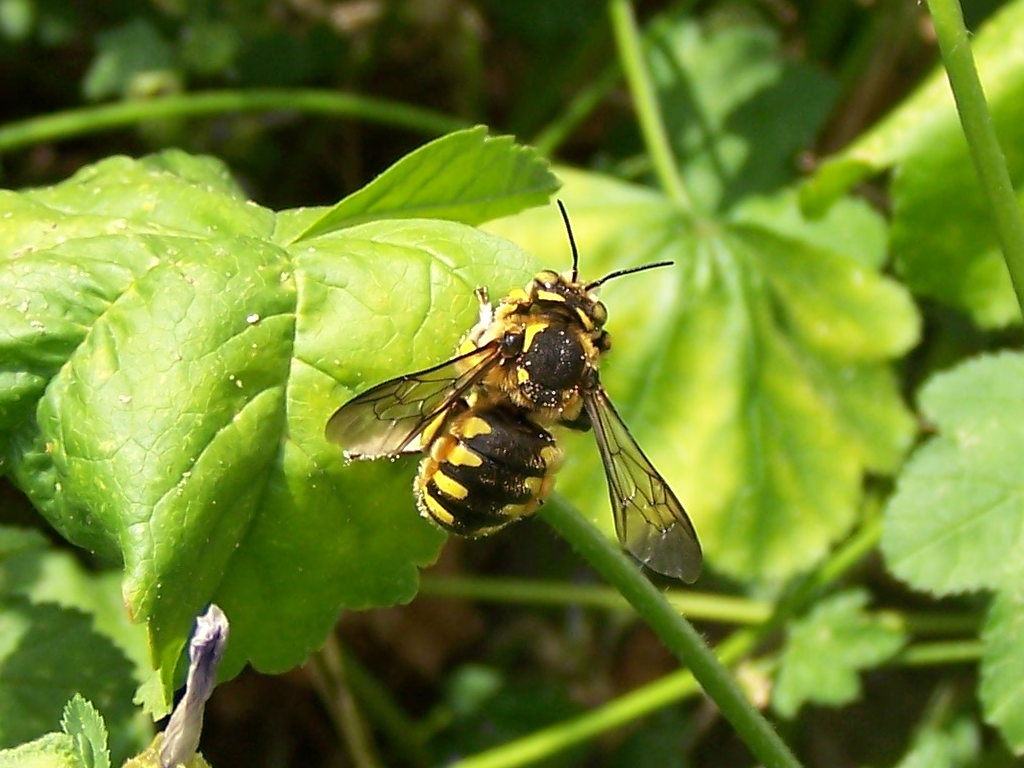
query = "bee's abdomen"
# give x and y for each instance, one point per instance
(490, 468)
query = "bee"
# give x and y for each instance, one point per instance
(482, 419)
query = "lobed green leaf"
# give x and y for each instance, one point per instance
(85, 725)
(1002, 667)
(955, 522)
(736, 109)
(47, 654)
(31, 568)
(826, 649)
(748, 371)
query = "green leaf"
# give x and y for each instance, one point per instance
(927, 120)
(82, 722)
(485, 709)
(953, 259)
(47, 654)
(175, 374)
(42, 574)
(955, 746)
(126, 53)
(957, 259)
(955, 521)
(1002, 667)
(466, 176)
(749, 371)
(209, 47)
(54, 750)
(826, 649)
(737, 109)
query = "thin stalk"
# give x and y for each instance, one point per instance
(645, 101)
(588, 98)
(989, 161)
(674, 631)
(78, 122)
(404, 734)
(676, 686)
(927, 654)
(934, 623)
(669, 689)
(328, 673)
(696, 605)
(578, 108)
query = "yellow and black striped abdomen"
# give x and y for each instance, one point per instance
(489, 468)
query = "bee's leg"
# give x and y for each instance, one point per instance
(486, 310)
(581, 423)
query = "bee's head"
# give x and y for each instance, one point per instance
(549, 286)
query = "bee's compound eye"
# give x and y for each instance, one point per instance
(599, 313)
(546, 279)
(511, 344)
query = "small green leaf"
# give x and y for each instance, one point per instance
(465, 176)
(737, 109)
(133, 50)
(47, 654)
(748, 371)
(54, 750)
(955, 746)
(955, 521)
(1002, 667)
(82, 722)
(826, 650)
(209, 47)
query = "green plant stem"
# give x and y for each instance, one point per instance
(673, 630)
(989, 161)
(927, 654)
(645, 100)
(700, 605)
(934, 623)
(671, 688)
(327, 670)
(404, 735)
(626, 708)
(548, 140)
(578, 108)
(77, 122)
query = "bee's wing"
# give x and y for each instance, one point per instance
(651, 523)
(389, 418)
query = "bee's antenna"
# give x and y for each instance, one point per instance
(572, 242)
(621, 272)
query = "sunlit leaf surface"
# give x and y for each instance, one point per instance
(753, 371)
(173, 358)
